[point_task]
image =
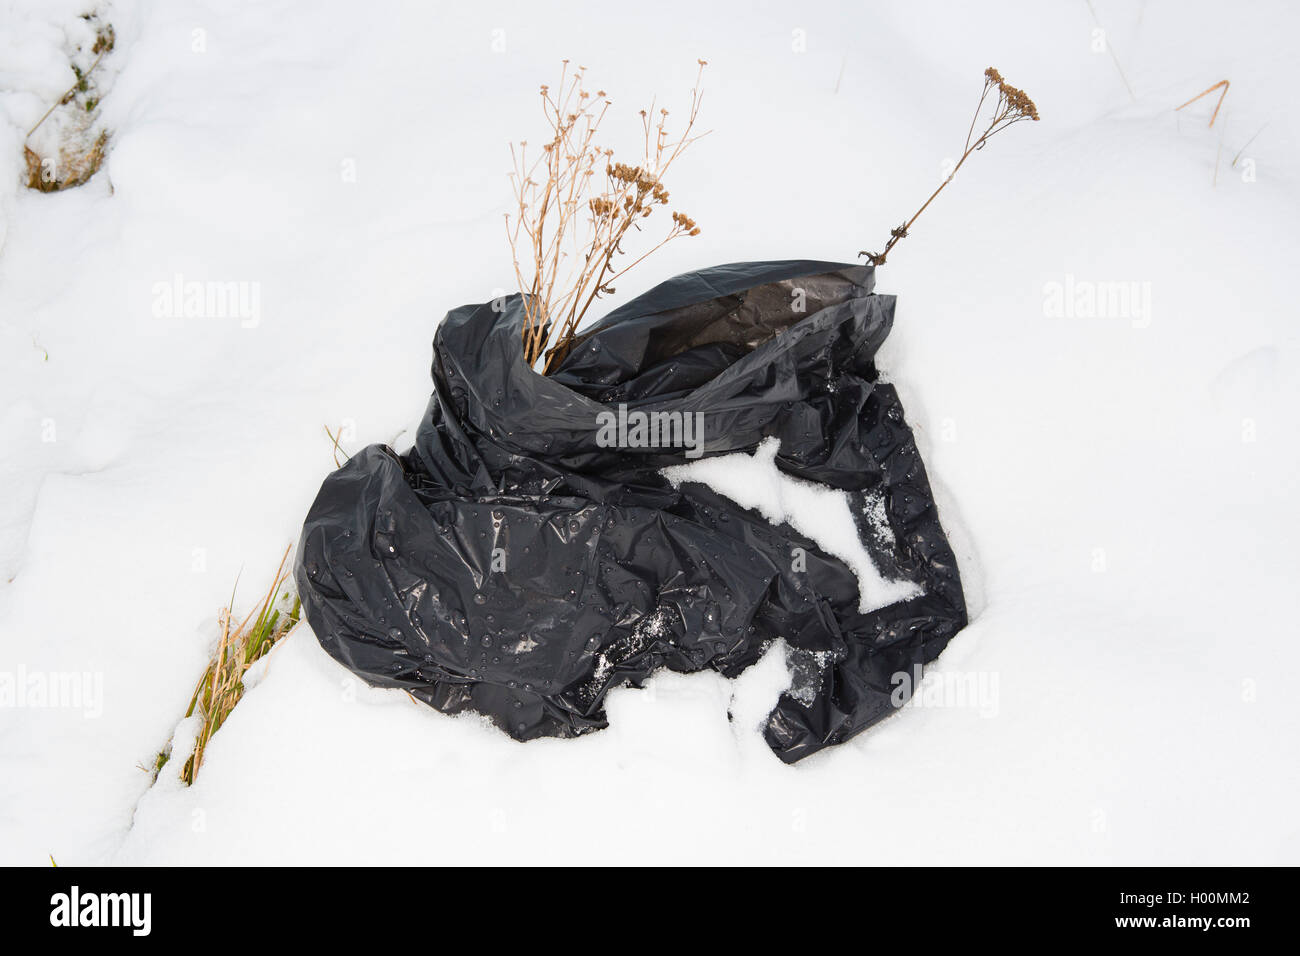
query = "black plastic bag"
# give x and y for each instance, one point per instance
(527, 555)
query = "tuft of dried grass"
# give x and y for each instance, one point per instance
(77, 153)
(575, 205)
(72, 167)
(1010, 106)
(222, 685)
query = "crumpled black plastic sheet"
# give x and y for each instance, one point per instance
(518, 562)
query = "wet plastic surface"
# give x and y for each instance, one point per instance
(516, 564)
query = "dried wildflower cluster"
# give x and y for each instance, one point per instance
(575, 206)
(1010, 107)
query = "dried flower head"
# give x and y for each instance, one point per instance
(1012, 102)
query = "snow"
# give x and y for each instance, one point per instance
(819, 512)
(1118, 487)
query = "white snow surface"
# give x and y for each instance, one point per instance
(1120, 490)
(754, 481)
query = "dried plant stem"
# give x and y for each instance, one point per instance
(1110, 48)
(1246, 145)
(71, 92)
(1010, 107)
(1206, 92)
